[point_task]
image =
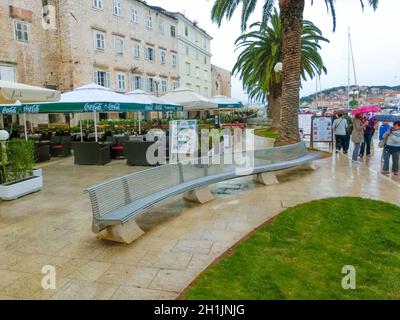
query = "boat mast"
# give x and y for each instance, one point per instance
(348, 68)
(349, 63)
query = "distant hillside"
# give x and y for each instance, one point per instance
(311, 97)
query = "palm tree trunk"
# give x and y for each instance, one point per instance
(276, 93)
(271, 102)
(292, 24)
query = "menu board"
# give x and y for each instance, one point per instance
(305, 121)
(322, 129)
(183, 137)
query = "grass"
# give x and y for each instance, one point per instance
(300, 255)
(266, 133)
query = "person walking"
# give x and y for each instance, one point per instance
(369, 132)
(357, 135)
(349, 130)
(392, 149)
(340, 131)
(385, 127)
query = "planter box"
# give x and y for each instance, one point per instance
(38, 172)
(21, 188)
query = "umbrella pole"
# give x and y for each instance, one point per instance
(80, 125)
(140, 124)
(95, 126)
(25, 129)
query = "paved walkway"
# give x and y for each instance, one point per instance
(52, 227)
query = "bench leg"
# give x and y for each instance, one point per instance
(124, 233)
(200, 195)
(266, 178)
(309, 166)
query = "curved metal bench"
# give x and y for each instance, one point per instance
(117, 202)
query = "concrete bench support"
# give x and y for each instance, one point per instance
(266, 178)
(123, 233)
(199, 195)
(312, 166)
(117, 203)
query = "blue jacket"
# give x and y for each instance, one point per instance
(382, 130)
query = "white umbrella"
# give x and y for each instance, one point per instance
(146, 98)
(13, 93)
(227, 103)
(190, 100)
(93, 96)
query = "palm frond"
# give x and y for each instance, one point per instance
(224, 9)
(261, 50)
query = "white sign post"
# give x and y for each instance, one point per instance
(305, 122)
(322, 130)
(183, 138)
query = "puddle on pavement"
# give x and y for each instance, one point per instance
(232, 187)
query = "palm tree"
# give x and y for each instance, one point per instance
(291, 12)
(262, 51)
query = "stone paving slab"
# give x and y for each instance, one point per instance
(181, 239)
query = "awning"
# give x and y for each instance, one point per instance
(227, 103)
(91, 98)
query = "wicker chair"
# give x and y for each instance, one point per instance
(92, 153)
(60, 146)
(135, 153)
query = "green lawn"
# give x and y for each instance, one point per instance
(300, 255)
(266, 133)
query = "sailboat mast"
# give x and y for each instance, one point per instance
(348, 68)
(350, 63)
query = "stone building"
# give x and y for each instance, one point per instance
(221, 81)
(121, 44)
(194, 56)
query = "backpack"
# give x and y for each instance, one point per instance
(350, 126)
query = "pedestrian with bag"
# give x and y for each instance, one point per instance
(349, 131)
(357, 135)
(369, 132)
(340, 131)
(383, 129)
(392, 150)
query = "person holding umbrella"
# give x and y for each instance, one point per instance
(369, 132)
(357, 135)
(359, 127)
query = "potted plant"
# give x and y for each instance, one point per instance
(17, 177)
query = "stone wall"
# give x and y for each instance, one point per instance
(221, 81)
(35, 61)
(194, 51)
(82, 20)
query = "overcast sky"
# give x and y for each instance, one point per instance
(375, 38)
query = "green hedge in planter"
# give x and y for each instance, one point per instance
(20, 156)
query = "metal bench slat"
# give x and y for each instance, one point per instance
(134, 209)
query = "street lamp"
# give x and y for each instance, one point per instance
(157, 82)
(278, 67)
(4, 135)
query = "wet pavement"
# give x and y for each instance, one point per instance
(53, 227)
